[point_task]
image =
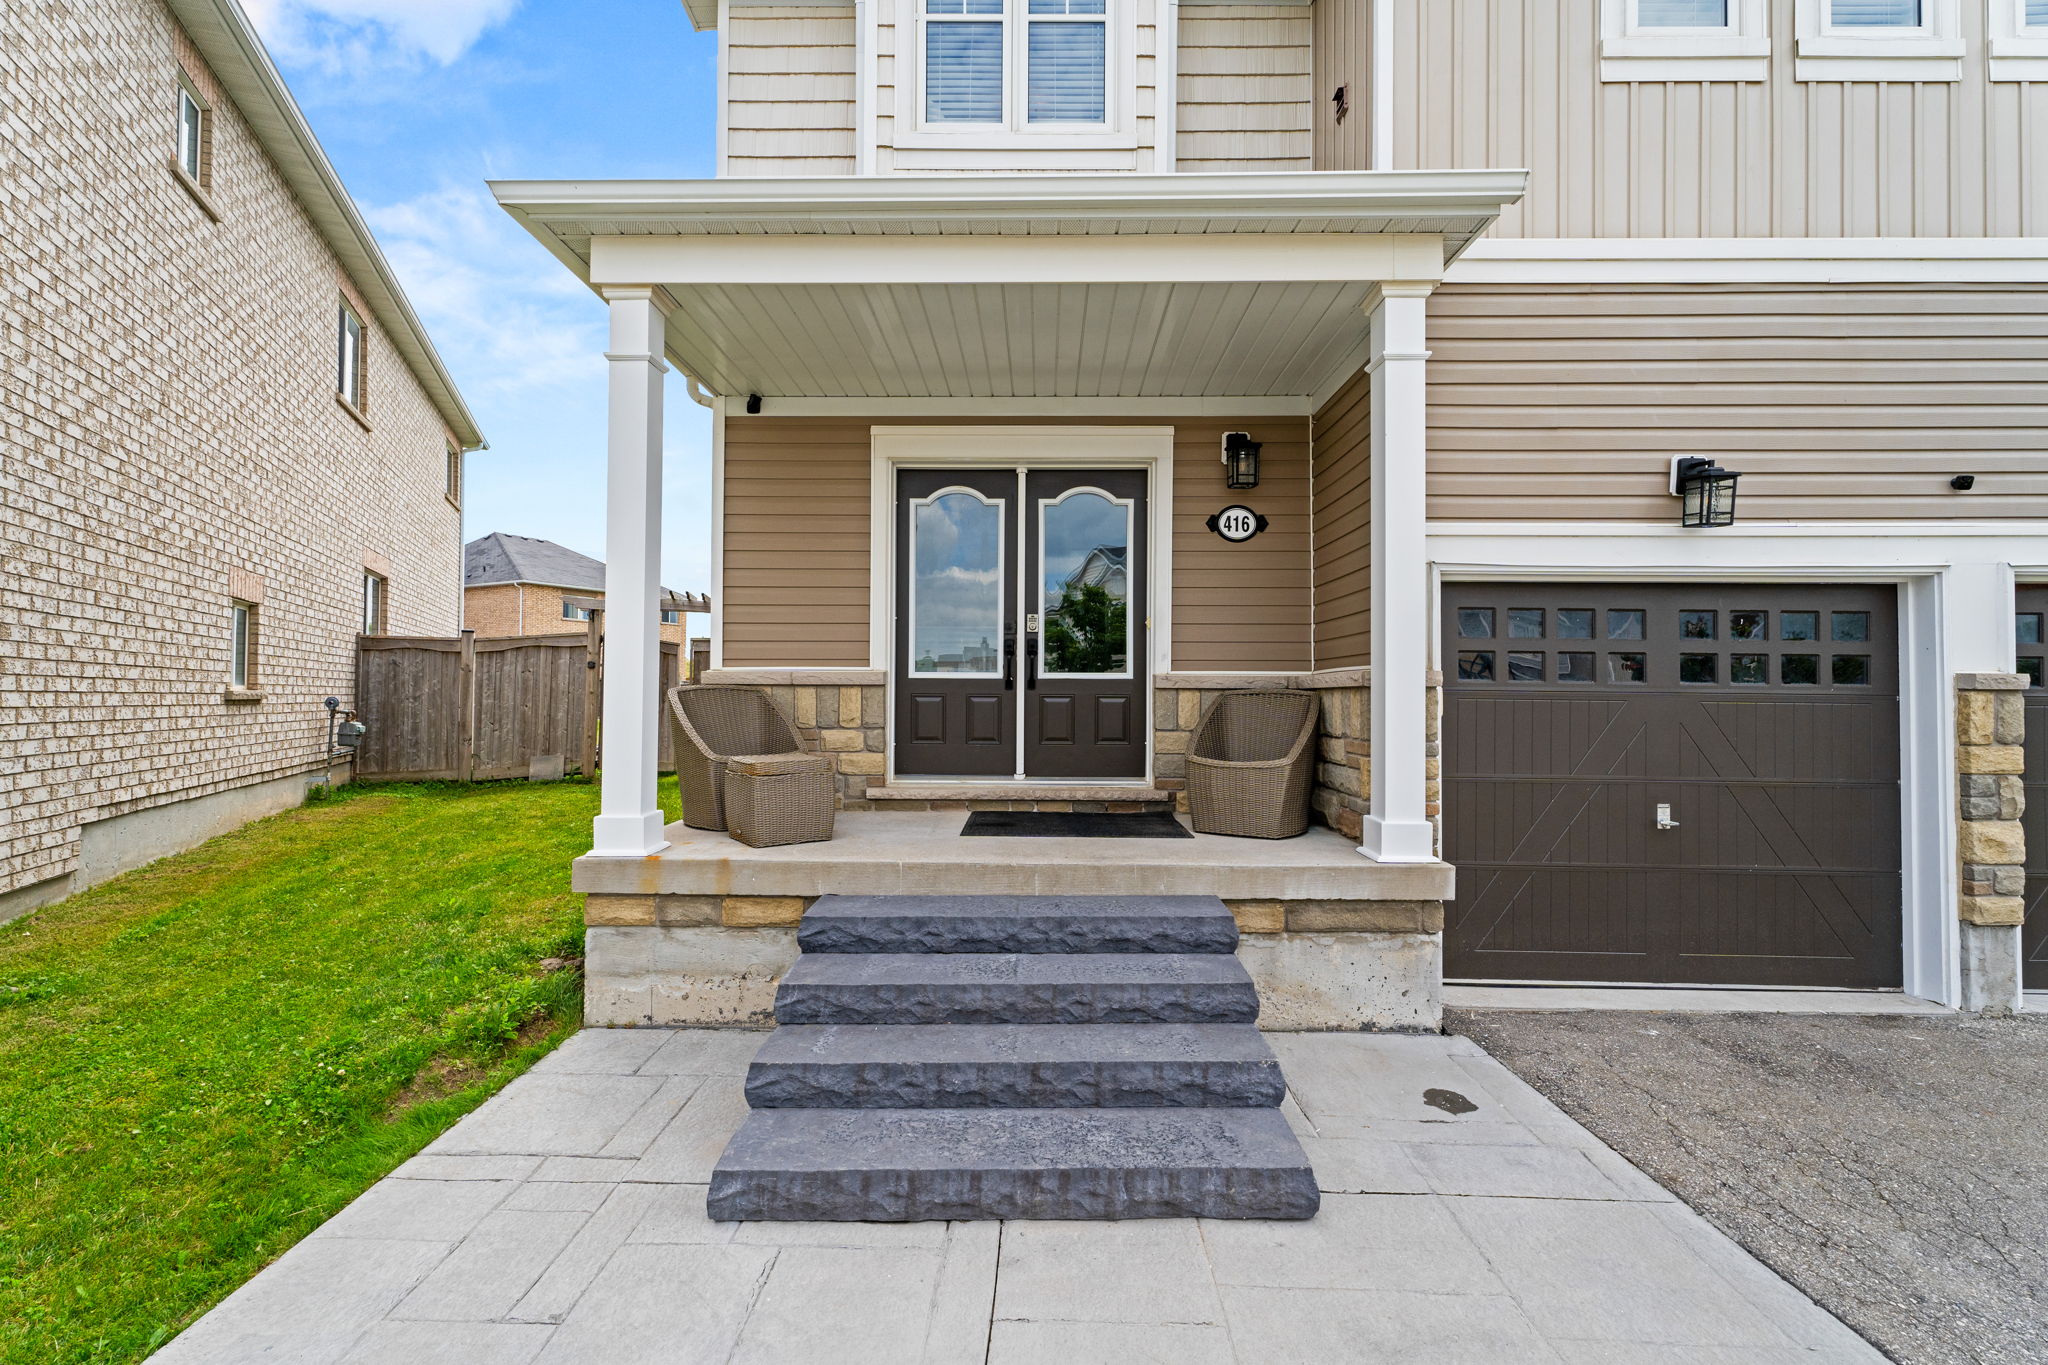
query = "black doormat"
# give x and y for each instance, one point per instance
(1060, 824)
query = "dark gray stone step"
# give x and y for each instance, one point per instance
(910, 1165)
(1016, 1066)
(1018, 924)
(1002, 988)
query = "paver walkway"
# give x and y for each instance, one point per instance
(1465, 1219)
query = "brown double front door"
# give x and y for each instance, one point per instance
(1661, 783)
(1020, 623)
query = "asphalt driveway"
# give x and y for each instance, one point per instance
(1893, 1167)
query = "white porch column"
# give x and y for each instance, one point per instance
(629, 823)
(1397, 827)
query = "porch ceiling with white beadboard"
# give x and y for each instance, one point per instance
(1015, 286)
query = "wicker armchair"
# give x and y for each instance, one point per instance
(714, 724)
(1250, 764)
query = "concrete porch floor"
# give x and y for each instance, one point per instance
(923, 852)
(1465, 1219)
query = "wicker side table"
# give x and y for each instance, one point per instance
(778, 798)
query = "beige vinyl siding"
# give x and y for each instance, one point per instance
(795, 588)
(1241, 606)
(1245, 88)
(1835, 402)
(1516, 83)
(1342, 502)
(1343, 58)
(790, 91)
(895, 58)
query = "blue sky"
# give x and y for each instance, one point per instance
(418, 102)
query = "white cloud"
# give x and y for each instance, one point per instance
(355, 34)
(505, 314)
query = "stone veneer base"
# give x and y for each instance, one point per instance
(670, 975)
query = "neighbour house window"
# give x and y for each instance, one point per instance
(454, 484)
(1020, 65)
(191, 135)
(671, 618)
(348, 377)
(572, 612)
(1684, 40)
(242, 644)
(376, 592)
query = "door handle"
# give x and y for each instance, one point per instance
(1664, 820)
(1010, 660)
(1031, 663)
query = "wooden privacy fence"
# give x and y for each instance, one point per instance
(463, 709)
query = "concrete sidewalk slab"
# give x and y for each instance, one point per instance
(1465, 1218)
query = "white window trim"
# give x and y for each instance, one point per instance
(1931, 52)
(241, 644)
(376, 603)
(196, 172)
(1119, 132)
(1739, 52)
(2018, 52)
(349, 362)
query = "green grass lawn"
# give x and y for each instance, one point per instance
(204, 1059)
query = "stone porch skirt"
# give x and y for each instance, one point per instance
(700, 933)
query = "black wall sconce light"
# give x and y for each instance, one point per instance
(1707, 490)
(1963, 483)
(1240, 460)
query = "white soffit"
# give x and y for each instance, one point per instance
(1015, 286)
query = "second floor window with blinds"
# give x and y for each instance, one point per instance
(1038, 64)
(1711, 14)
(1874, 13)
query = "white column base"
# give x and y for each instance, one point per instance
(628, 836)
(1398, 841)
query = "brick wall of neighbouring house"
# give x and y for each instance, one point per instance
(1991, 732)
(168, 424)
(492, 611)
(496, 610)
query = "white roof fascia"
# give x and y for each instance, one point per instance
(1221, 198)
(234, 52)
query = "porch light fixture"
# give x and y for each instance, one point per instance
(1240, 460)
(1707, 489)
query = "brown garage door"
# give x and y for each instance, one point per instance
(2033, 657)
(1765, 718)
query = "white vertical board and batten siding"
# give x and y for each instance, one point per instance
(790, 90)
(1343, 59)
(1517, 83)
(1246, 91)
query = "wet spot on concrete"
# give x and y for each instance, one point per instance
(1450, 1101)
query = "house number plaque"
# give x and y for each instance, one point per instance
(1237, 524)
